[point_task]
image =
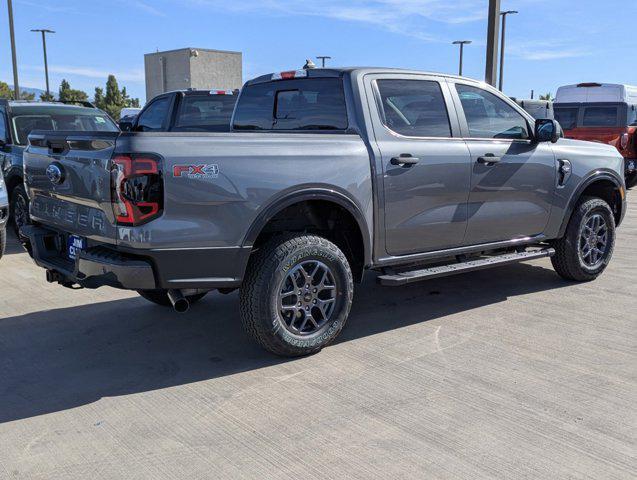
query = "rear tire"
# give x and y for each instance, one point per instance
(160, 297)
(3, 241)
(19, 209)
(631, 180)
(586, 248)
(296, 295)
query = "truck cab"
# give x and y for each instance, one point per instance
(604, 113)
(184, 111)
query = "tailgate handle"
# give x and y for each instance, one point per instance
(57, 146)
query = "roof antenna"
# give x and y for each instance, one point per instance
(309, 65)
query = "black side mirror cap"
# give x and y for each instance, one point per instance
(548, 130)
(126, 126)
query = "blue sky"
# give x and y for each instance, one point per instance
(550, 43)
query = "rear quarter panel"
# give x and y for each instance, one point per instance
(253, 172)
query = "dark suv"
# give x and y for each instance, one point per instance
(18, 119)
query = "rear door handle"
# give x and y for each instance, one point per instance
(489, 159)
(405, 160)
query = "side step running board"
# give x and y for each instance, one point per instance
(403, 278)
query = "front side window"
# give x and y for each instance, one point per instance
(3, 127)
(293, 105)
(489, 116)
(567, 116)
(414, 108)
(152, 119)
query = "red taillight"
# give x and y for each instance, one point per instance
(137, 189)
(623, 141)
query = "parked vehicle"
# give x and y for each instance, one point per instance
(537, 108)
(4, 215)
(18, 119)
(185, 111)
(326, 173)
(602, 112)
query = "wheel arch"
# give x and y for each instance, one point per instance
(603, 184)
(314, 196)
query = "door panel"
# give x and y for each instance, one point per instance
(512, 198)
(512, 176)
(425, 200)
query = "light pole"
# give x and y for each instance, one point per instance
(322, 58)
(462, 43)
(16, 87)
(504, 26)
(491, 65)
(44, 31)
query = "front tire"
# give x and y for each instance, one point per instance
(587, 246)
(296, 295)
(19, 209)
(3, 241)
(160, 297)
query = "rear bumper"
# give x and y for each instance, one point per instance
(136, 269)
(93, 268)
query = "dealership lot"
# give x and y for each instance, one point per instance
(506, 373)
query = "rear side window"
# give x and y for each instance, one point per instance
(600, 117)
(489, 116)
(205, 113)
(414, 108)
(567, 117)
(152, 119)
(293, 105)
(3, 127)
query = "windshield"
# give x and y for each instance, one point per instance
(205, 113)
(600, 117)
(67, 120)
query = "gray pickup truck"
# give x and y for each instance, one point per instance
(326, 173)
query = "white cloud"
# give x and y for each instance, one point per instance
(127, 75)
(404, 17)
(546, 50)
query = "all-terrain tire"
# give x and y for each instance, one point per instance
(261, 294)
(160, 297)
(631, 180)
(19, 207)
(568, 261)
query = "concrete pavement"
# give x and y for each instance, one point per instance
(507, 373)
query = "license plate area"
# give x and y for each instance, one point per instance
(74, 245)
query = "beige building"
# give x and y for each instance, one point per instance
(198, 68)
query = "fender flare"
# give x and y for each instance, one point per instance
(327, 194)
(596, 176)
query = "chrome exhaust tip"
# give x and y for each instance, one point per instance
(178, 301)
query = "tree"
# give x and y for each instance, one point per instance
(98, 98)
(44, 97)
(6, 92)
(548, 96)
(68, 94)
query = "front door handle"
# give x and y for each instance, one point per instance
(489, 159)
(405, 160)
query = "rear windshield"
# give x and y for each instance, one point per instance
(205, 113)
(600, 117)
(567, 117)
(67, 120)
(304, 105)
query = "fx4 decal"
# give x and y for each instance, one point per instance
(210, 170)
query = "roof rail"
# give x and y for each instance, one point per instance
(82, 103)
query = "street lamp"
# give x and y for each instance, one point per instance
(504, 26)
(322, 58)
(462, 43)
(16, 87)
(44, 31)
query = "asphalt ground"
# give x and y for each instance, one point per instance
(506, 373)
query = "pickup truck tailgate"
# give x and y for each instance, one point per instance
(68, 178)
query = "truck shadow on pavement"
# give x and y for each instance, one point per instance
(60, 359)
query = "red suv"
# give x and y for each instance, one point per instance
(601, 112)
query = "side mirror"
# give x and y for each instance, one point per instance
(125, 126)
(547, 130)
